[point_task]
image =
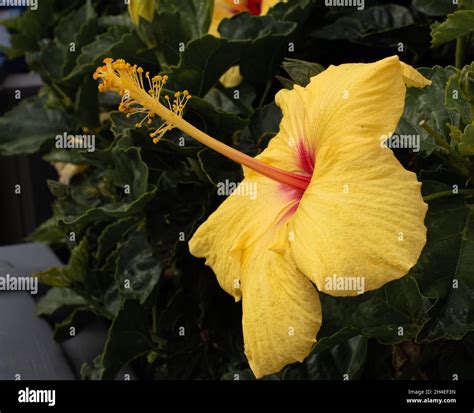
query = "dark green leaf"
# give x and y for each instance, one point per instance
(113, 234)
(264, 124)
(78, 265)
(445, 270)
(300, 71)
(128, 339)
(457, 24)
(93, 370)
(428, 104)
(434, 7)
(391, 314)
(72, 325)
(57, 298)
(29, 28)
(47, 232)
(466, 146)
(138, 269)
(267, 40)
(219, 169)
(74, 31)
(370, 22)
(195, 14)
(117, 42)
(455, 101)
(203, 62)
(87, 103)
(344, 361)
(30, 126)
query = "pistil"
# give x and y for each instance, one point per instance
(123, 78)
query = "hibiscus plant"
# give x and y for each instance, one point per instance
(277, 189)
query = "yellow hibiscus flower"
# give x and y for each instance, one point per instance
(337, 204)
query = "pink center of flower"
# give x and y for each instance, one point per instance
(306, 162)
(306, 159)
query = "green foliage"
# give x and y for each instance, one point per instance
(28, 29)
(435, 7)
(459, 23)
(32, 125)
(127, 218)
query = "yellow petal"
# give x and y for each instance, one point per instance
(362, 214)
(141, 8)
(257, 205)
(361, 219)
(293, 148)
(268, 4)
(281, 308)
(358, 100)
(222, 10)
(232, 77)
(412, 77)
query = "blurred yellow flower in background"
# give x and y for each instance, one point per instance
(66, 171)
(141, 8)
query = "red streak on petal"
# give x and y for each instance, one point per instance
(288, 214)
(306, 159)
(307, 162)
(291, 193)
(254, 7)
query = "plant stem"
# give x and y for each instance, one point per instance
(445, 194)
(436, 136)
(459, 162)
(460, 42)
(265, 93)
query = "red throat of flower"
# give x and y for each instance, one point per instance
(306, 162)
(254, 7)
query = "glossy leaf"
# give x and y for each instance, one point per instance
(127, 340)
(18, 136)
